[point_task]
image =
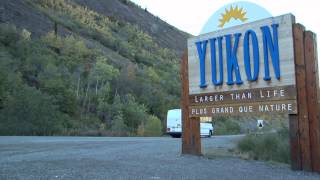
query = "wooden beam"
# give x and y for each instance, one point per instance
(312, 85)
(191, 143)
(195, 136)
(184, 103)
(295, 150)
(303, 123)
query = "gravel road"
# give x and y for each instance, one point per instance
(127, 158)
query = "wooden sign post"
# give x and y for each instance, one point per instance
(305, 126)
(267, 66)
(191, 143)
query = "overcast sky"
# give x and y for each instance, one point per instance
(191, 15)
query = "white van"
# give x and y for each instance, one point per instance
(174, 125)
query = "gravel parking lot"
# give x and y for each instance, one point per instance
(127, 158)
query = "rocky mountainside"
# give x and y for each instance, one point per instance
(20, 13)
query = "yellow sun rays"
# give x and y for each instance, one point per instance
(236, 13)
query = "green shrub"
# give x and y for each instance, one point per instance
(226, 127)
(133, 113)
(247, 144)
(118, 127)
(151, 128)
(8, 34)
(28, 112)
(269, 147)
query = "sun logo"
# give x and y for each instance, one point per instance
(236, 13)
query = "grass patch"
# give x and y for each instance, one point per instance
(267, 147)
(220, 153)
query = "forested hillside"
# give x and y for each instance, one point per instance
(75, 67)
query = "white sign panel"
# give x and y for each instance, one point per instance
(254, 55)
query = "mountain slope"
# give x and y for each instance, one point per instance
(23, 16)
(20, 13)
(97, 66)
(163, 33)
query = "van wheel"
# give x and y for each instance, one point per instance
(176, 135)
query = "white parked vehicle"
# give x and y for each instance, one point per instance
(174, 125)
